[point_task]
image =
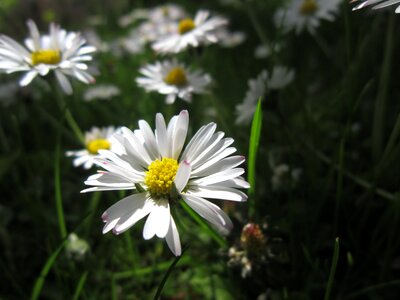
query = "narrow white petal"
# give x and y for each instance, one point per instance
(179, 133)
(182, 176)
(64, 82)
(172, 238)
(210, 212)
(219, 177)
(218, 192)
(161, 135)
(150, 140)
(28, 77)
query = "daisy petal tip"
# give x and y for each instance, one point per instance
(115, 231)
(104, 217)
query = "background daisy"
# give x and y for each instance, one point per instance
(60, 51)
(173, 79)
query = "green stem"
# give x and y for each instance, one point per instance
(57, 186)
(80, 285)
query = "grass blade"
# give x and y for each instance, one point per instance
(333, 269)
(37, 288)
(252, 157)
(80, 285)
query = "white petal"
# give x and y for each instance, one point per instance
(123, 207)
(157, 222)
(27, 78)
(64, 82)
(182, 176)
(219, 177)
(161, 134)
(127, 221)
(218, 192)
(150, 139)
(210, 212)
(179, 133)
(172, 238)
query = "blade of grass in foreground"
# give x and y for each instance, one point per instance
(165, 278)
(333, 269)
(252, 157)
(37, 288)
(80, 285)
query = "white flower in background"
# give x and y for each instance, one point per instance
(306, 14)
(258, 87)
(76, 248)
(191, 33)
(159, 14)
(101, 92)
(284, 177)
(230, 39)
(379, 4)
(60, 51)
(173, 79)
(96, 139)
(264, 51)
(161, 172)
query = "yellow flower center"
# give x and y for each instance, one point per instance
(308, 7)
(176, 77)
(49, 57)
(186, 25)
(94, 146)
(160, 177)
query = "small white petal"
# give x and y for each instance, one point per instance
(172, 238)
(157, 222)
(182, 176)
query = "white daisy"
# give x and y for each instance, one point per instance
(382, 4)
(63, 52)
(101, 92)
(161, 172)
(258, 87)
(306, 14)
(96, 139)
(173, 79)
(191, 32)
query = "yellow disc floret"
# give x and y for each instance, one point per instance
(49, 57)
(186, 25)
(308, 7)
(95, 145)
(160, 177)
(176, 77)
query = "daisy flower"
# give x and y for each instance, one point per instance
(60, 51)
(379, 4)
(160, 171)
(258, 87)
(101, 92)
(306, 14)
(191, 32)
(96, 139)
(173, 79)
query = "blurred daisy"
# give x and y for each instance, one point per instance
(306, 14)
(101, 92)
(96, 139)
(60, 51)
(379, 4)
(258, 87)
(230, 39)
(264, 51)
(191, 32)
(173, 79)
(161, 172)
